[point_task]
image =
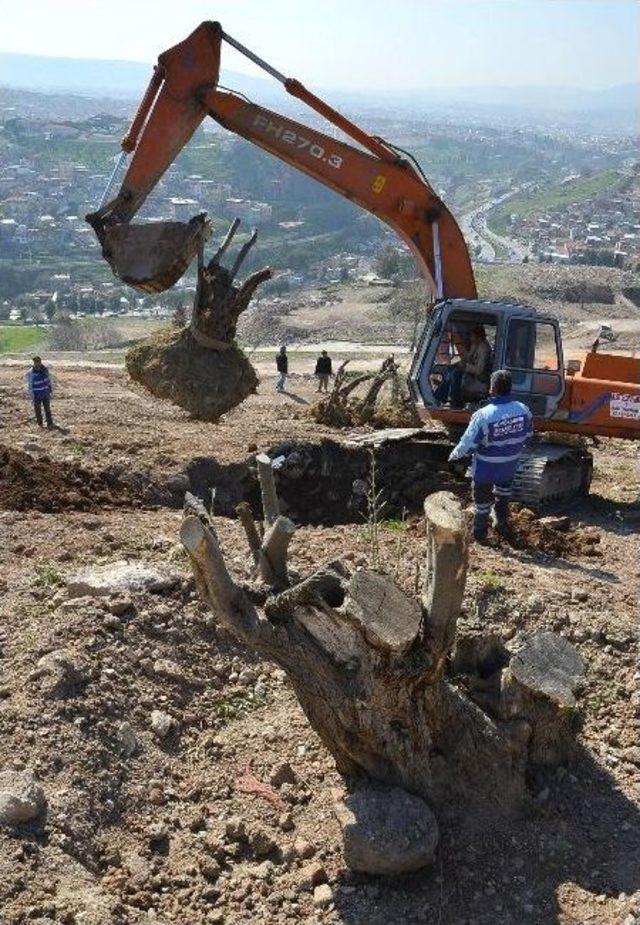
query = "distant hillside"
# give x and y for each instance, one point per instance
(548, 199)
(101, 77)
(622, 97)
(127, 79)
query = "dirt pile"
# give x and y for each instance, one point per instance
(590, 292)
(204, 381)
(553, 536)
(29, 483)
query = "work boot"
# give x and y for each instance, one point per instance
(480, 538)
(501, 525)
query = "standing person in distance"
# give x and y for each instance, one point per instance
(282, 365)
(40, 389)
(495, 438)
(323, 371)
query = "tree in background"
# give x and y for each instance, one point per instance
(180, 316)
(85, 334)
(388, 263)
(392, 263)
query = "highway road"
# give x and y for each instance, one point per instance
(476, 232)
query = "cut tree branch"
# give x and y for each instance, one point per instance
(249, 525)
(270, 503)
(446, 572)
(242, 253)
(219, 254)
(273, 555)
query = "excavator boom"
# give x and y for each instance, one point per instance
(184, 90)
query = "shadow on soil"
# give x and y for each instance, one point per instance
(584, 838)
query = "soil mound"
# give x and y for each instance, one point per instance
(204, 381)
(29, 483)
(553, 536)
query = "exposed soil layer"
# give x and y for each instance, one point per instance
(319, 483)
(29, 483)
(328, 482)
(324, 483)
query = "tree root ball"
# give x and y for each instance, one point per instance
(205, 382)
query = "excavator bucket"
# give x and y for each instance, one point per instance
(152, 257)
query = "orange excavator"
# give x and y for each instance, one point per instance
(598, 395)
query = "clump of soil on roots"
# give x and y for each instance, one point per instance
(204, 381)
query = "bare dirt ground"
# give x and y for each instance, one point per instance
(581, 297)
(164, 831)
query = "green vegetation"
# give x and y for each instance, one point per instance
(229, 707)
(556, 197)
(48, 575)
(20, 338)
(490, 581)
(395, 525)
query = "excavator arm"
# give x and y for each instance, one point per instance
(372, 173)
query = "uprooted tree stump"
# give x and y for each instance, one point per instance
(342, 408)
(200, 367)
(369, 666)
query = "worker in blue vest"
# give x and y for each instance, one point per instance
(40, 390)
(495, 438)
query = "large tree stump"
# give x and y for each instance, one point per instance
(368, 663)
(200, 367)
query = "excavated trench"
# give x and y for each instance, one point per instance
(318, 483)
(328, 482)
(321, 483)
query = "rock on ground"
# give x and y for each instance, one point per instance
(386, 830)
(59, 676)
(120, 576)
(162, 724)
(322, 896)
(22, 798)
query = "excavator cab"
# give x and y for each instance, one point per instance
(521, 340)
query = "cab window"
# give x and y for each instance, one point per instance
(532, 345)
(532, 355)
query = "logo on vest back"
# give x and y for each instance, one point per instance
(508, 427)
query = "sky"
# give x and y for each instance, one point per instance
(357, 44)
